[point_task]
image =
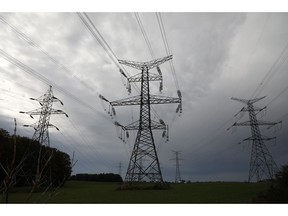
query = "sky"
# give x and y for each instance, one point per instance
(216, 56)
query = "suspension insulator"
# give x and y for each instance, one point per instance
(127, 134)
(117, 123)
(113, 111)
(129, 88)
(164, 133)
(103, 98)
(178, 108)
(167, 134)
(159, 71)
(161, 122)
(179, 93)
(122, 72)
(161, 86)
(109, 110)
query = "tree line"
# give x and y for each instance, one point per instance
(102, 177)
(24, 162)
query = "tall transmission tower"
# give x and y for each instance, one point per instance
(46, 101)
(41, 134)
(177, 173)
(262, 164)
(144, 163)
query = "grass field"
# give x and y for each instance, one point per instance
(102, 193)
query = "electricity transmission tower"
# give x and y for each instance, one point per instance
(41, 134)
(144, 162)
(261, 161)
(41, 127)
(177, 174)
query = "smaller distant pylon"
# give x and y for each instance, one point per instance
(177, 173)
(262, 164)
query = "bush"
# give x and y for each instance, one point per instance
(278, 192)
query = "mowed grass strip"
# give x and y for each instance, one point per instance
(107, 193)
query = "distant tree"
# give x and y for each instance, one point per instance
(102, 177)
(278, 192)
(11, 168)
(54, 173)
(60, 167)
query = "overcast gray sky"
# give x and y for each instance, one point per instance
(216, 56)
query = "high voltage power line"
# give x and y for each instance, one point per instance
(29, 70)
(32, 43)
(168, 52)
(92, 28)
(45, 80)
(260, 36)
(144, 147)
(263, 79)
(71, 141)
(83, 140)
(144, 35)
(167, 49)
(100, 39)
(282, 57)
(262, 163)
(38, 76)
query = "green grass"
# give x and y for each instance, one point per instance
(102, 193)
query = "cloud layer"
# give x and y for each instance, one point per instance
(216, 56)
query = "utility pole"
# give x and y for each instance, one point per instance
(144, 162)
(262, 164)
(177, 173)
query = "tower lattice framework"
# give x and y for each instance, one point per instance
(46, 101)
(144, 163)
(262, 164)
(177, 173)
(41, 134)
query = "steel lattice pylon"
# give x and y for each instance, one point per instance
(262, 164)
(41, 133)
(177, 173)
(144, 163)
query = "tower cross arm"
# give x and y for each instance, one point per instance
(248, 123)
(262, 138)
(154, 99)
(135, 126)
(54, 111)
(245, 101)
(135, 100)
(156, 62)
(247, 109)
(40, 112)
(138, 77)
(149, 65)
